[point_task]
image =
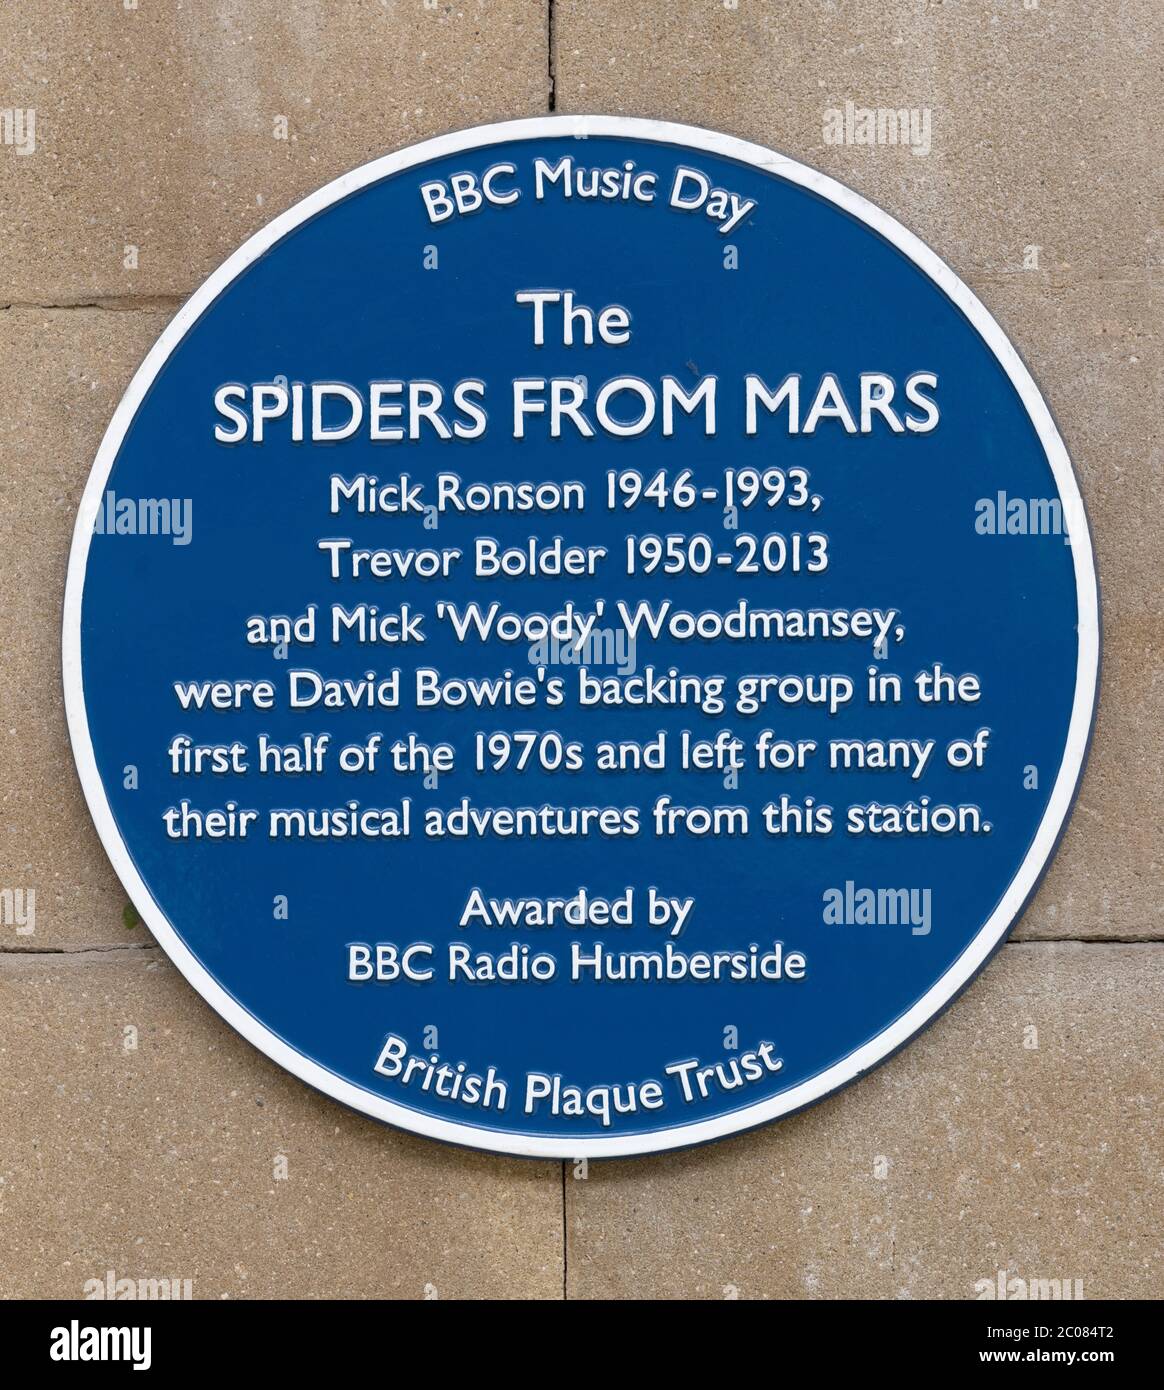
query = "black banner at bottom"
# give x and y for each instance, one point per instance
(134, 1337)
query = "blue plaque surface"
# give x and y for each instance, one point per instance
(581, 637)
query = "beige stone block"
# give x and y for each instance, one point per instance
(1039, 133)
(1096, 351)
(1039, 137)
(182, 129)
(64, 373)
(1104, 882)
(156, 1153)
(972, 1151)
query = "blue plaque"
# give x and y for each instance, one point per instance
(581, 637)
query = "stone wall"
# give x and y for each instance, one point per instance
(138, 1133)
